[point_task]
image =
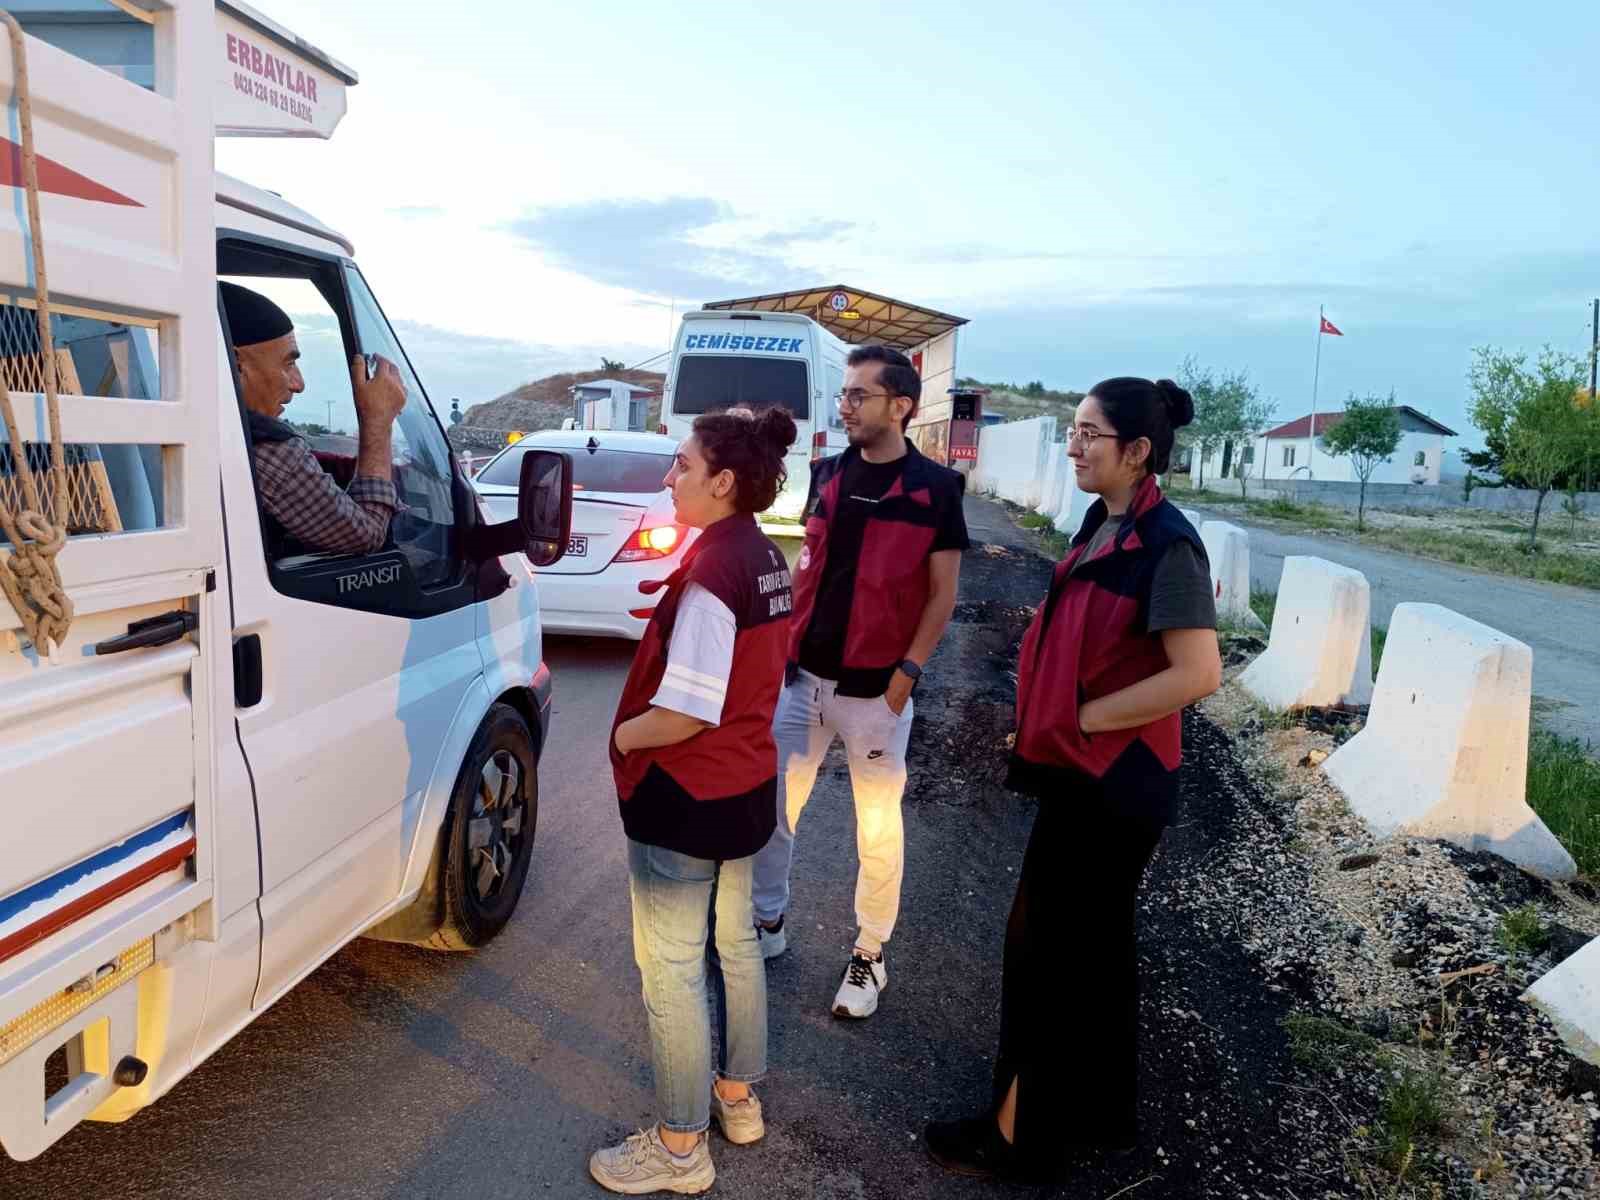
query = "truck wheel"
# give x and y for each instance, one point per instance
(488, 832)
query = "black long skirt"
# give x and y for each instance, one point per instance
(1069, 1006)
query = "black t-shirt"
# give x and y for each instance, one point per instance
(861, 486)
(1180, 591)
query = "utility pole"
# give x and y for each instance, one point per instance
(1594, 399)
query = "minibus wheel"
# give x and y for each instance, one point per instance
(488, 833)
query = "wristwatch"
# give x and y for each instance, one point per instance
(911, 670)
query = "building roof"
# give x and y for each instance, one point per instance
(610, 385)
(880, 319)
(1301, 426)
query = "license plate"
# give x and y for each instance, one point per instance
(577, 547)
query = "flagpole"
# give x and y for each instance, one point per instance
(1311, 449)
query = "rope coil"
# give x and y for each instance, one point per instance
(28, 573)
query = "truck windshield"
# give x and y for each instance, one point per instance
(709, 382)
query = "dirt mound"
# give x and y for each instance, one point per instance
(545, 403)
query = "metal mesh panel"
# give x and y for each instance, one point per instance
(91, 504)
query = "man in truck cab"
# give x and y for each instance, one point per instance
(305, 509)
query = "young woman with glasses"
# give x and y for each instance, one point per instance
(1124, 640)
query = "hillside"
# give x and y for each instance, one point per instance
(545, 403)
(1017, 402)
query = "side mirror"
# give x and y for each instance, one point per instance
(544, 505)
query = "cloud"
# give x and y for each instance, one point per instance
(658, 246)
(415, 212)
(448, 362)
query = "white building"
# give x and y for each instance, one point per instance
(610, 404)
(1288, 452)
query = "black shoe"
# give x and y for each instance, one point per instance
(971, 1147)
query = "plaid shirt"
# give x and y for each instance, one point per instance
(314, 509)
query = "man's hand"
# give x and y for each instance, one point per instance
(379, 399)
(899, 693)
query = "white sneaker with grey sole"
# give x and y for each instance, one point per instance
(864, 979)
(739, 1120)
(642, 1164)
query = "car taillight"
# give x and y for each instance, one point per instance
(819, 445)
(654, 542)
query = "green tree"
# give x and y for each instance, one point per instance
(1537, 421)
(1573, 505)
(610, 365)
(1227, 408)
(1368, 434)
(1252, 414)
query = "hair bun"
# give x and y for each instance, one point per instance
(1180, 405)
(777, 426)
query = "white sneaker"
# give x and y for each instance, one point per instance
(740, 1120)
(773, 941)
(863, 980)
(642, 1164)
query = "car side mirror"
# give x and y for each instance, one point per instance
(544, 514)
(544, 505)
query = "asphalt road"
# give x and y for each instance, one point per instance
(1561, 624)
(396, 1072)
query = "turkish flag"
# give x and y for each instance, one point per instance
(1329, 327)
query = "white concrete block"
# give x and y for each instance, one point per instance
(1050, 482)
(1445, 749)
(1228, 551)
(1075, 504)
(1570, 996)
(1192, 516)
(1010, 458)
(1320, 649)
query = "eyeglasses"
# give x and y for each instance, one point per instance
(1087, 434)
(855, 397)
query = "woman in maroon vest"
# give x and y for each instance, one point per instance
(1123, 641)
(696, 770)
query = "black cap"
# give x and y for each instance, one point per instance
(252, 318)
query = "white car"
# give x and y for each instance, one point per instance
(623, 533)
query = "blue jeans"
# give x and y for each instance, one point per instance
(692, 919)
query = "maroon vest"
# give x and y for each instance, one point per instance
(891, 578)
(1088, 639)
(714, 795)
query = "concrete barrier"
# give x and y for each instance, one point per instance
(1320, 649)
(1011, 457)
(1228, 551)
(1075, 504)
(1570, 996)
(1050, 482)
(1193, 517)
(1445, 749)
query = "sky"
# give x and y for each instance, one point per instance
(1101, 189)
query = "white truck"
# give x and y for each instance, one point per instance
(727, 354)
(232, 761)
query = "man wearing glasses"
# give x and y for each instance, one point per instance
(873, 591)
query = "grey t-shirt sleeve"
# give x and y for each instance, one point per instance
(1180, 593)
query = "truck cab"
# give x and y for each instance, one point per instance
(240, 755)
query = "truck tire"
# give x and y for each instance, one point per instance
(488, 833)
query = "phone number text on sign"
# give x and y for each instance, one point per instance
(272, 97)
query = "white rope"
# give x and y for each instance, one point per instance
(28, 574)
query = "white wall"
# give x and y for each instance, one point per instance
(1011, 459)
(938, 367)
(1268, 464)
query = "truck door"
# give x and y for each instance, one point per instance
(106, 758)
(362, 659)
